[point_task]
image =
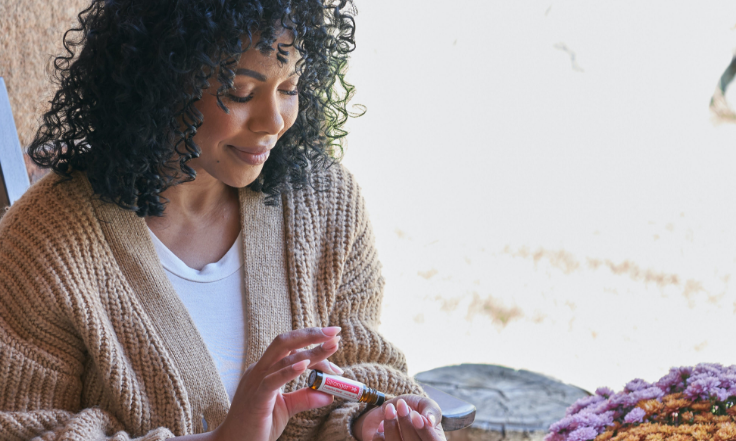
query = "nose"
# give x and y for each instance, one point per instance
(266, 116)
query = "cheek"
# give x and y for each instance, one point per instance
(289, 115)
(217, 126)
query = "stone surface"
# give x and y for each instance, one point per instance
(476, 434)
(511, 404)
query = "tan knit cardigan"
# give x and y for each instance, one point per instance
(95, 343)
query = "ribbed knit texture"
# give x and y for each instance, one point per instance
(95, 344)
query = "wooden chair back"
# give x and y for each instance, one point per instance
(13, 175)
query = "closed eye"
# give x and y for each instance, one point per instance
(240, 99)
(245, 99)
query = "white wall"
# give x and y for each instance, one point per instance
(576, 219)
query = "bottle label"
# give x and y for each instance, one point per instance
(342, 387)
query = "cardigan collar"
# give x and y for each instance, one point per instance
(267, 303)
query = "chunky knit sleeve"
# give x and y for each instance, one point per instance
(43, 357)
(364, 354)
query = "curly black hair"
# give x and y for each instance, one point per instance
(125, 110)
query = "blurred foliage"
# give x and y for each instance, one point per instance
(720, 106)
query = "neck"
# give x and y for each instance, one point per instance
(202, 197)
(202, 203)
(201, 220)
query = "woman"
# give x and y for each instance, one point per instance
(196, 224)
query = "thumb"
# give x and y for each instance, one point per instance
(305, 399)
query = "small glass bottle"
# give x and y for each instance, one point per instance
(345, 388)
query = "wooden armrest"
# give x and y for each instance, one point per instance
(456, 413)
(13, 175)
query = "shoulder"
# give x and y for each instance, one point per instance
(333, 198)
(53, 196)
(334, 188)
(334, 177)
(330, 212)
(53, 212)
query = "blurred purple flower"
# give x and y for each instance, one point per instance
(703, 388)
(582, 434)
(732, 391)
(635, 416)
(636, 384)
(562, 425)
(583, 419)
(583, 403)
(649, 393)
(604, 392)
(708, 368)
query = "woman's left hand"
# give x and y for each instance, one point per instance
(404, 418)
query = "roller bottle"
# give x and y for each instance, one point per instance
(345, 388)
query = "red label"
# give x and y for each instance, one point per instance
(340, 385)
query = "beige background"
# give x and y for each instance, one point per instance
(30, 33)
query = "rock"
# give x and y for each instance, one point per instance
(511, 404)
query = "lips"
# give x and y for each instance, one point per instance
(251, 155)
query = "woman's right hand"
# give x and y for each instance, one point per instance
(260, 411)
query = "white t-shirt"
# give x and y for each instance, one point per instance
(215, 299)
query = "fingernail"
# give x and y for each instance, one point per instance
(300, 365)
(336, 368)
(390, 412)
(330, 344)
(402, 408)
(331, 331)
(416, 420)
(432, 419)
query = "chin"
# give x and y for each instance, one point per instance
(243, 179)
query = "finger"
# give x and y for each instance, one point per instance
(285, 343)
(368, 423)
(379, 436)
(425, 428)
(327, 367)
(306, 399)
(273, 382)
(408, 432)
(416, 420)
(427, 407)
(391, 424)
(430, 419)
(315, 355)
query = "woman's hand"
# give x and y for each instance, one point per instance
(260, 411)
(404, 418)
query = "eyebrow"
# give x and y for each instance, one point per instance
(257, 75)
(251, 73)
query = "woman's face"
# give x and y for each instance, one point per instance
(263, 105)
